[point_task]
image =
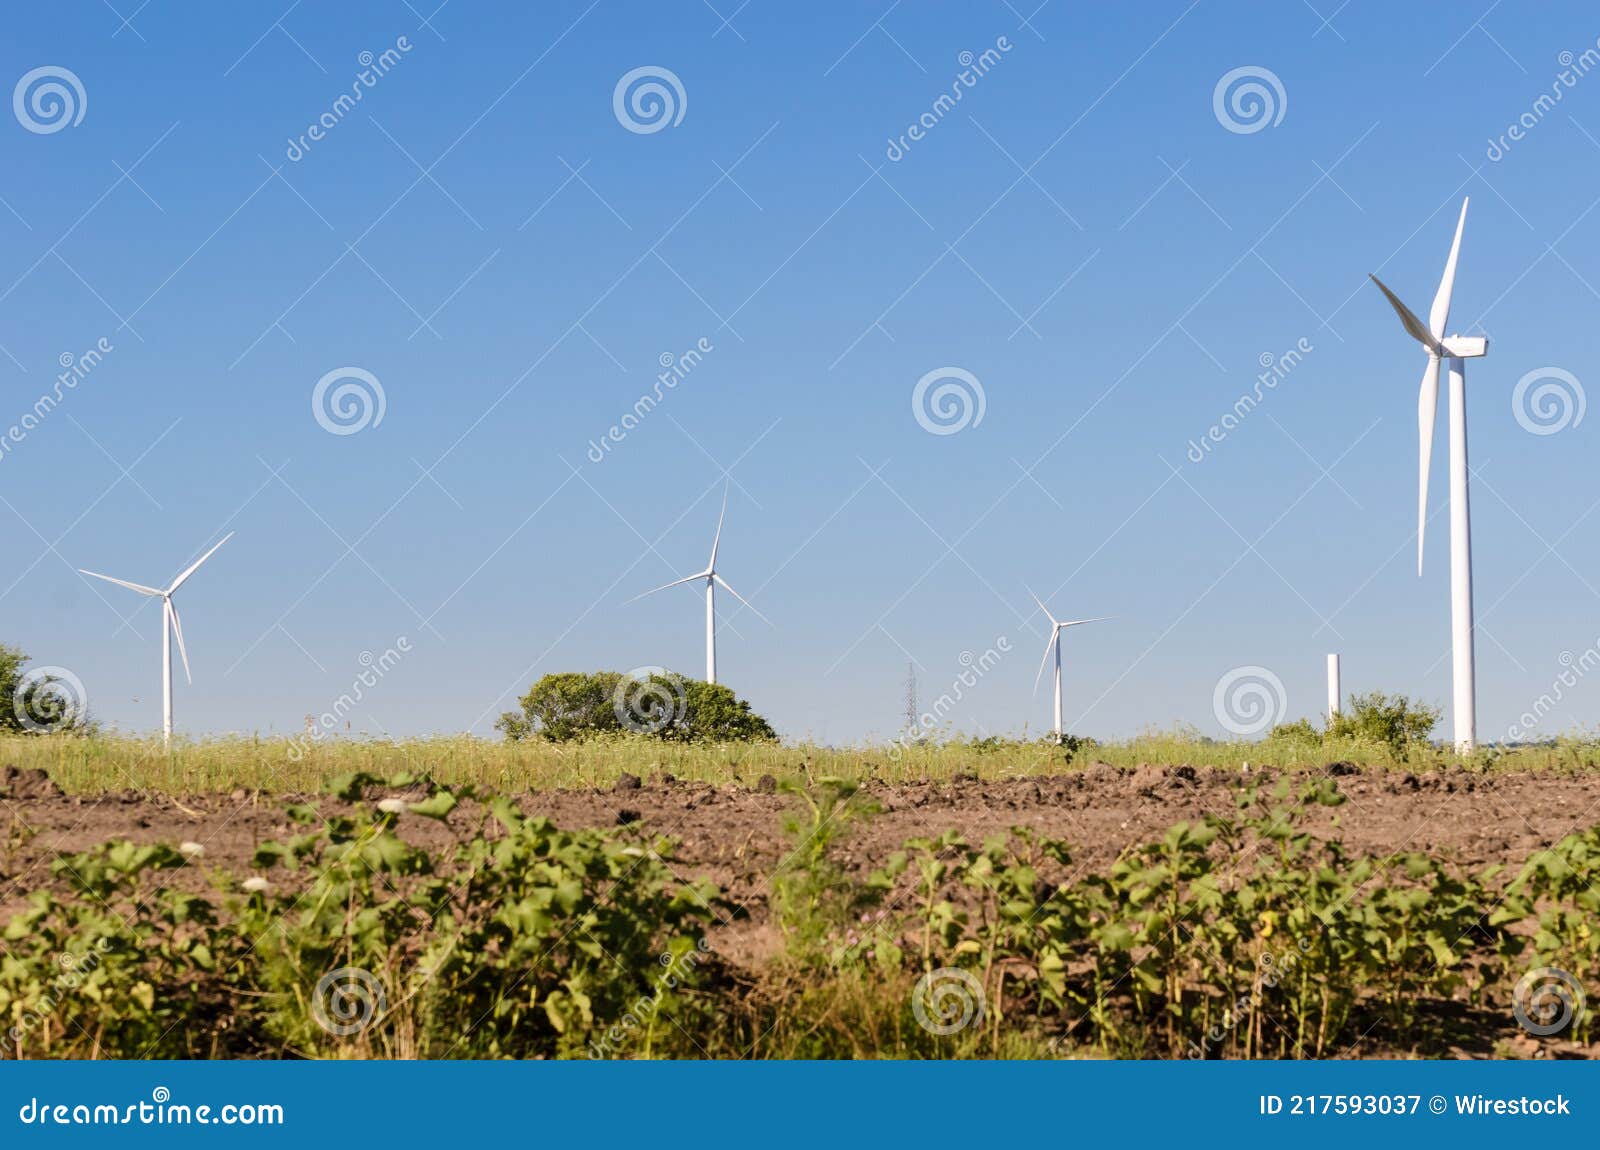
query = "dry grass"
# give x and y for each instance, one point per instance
(92, 765)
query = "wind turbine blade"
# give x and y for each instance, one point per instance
(675, 583)
(1049, 643)
(1081, 622)
(717, 538)
(139, 587)
(177, 633)
(1408, 319)
(1042, 607)
(1427, 410)
(195, 566)
(1440, 315)
(728, 587)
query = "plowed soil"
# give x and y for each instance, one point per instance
(733, 834)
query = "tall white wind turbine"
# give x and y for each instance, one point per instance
(1457, 349)
(1053, 643)
(712, 580)
(171, 628)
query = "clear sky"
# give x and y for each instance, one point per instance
(1104, 248)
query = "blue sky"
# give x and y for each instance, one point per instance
(1082, 233)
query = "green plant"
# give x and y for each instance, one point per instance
(123, 967)
(817, 902)
(37, 704)
(1391, 721)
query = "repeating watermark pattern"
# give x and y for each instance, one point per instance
(1548, 400)
(75, 369)
(649, 99)
(373, 69)
(48, 99)
(373, 670)
(674, 370)
(348, 400)
(973, 69)
(1547, 1000)
(948, 400)
(48, 699)
(1573, 69)
(1574, 668)
(1249, 99)
(675, 970)
(1275, 369)
(347, 1001)
(1249, 700)
(973, 669)
(649, 699)
(948, 1000)
(74, 969)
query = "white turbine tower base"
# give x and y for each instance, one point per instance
(712, 580)
(1457, 349)
(171, 628)
(1053, 644)
(1334, 694)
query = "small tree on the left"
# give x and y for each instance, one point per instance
(33, 706)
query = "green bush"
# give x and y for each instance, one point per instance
(1393, 721)
(575, 705)
(46, 709)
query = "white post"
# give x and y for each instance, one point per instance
(166, 675)
(1465, 711)
(711, 631)
(1334, 693)
(1058, 686)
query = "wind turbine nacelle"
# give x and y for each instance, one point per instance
(1466, 346)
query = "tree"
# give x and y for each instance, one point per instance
(575, 705)
(45, 707)
(1391, 720)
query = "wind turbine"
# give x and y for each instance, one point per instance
(712, 579)
(1457, 349)
(170, 627)
(1053, 643)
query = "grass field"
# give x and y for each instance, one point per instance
(97, 764)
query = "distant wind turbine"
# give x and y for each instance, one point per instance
(170, 627)
(1458, 349)
(712, 579)
(1053, 643)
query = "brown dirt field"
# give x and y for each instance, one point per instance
(733, 835)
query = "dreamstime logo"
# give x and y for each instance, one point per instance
(649, 699)
(49, 699)
(648, 99)
(674, 370)
(1248, 99)
(75, 369)
(1573, 69)
(1547, 1000)
(1249, 700)
(347, 1001)
(373, 670)
(948, 400)
(75, 969)
(1277, 369)
(948, 1000)
(1548, 400)
(357, 402)
(373, 69)
(1573, 669)
(973, 69)
(48, 99)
